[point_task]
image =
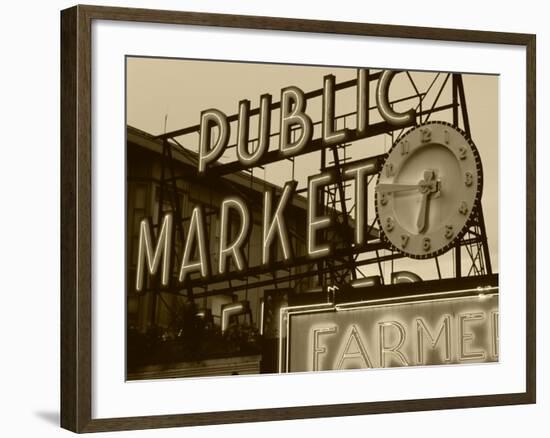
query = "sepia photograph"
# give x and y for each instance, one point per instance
(304, 218)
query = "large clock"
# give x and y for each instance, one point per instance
(428, 190)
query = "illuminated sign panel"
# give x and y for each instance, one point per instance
(214, 137)
(427, 330)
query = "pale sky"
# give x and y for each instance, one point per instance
(176, 91)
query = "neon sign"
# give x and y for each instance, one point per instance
(296, 132)
(293, 119)
(430, 330)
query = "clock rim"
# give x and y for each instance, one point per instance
(473, 212)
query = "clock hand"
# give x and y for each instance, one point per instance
(421, 222)
(396, 187)
(428, 185)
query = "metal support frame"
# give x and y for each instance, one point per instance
(343, 263)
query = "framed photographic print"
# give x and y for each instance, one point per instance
(267, 218)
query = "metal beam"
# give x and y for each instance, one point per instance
(315, 145)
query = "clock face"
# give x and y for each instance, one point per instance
(428, 189)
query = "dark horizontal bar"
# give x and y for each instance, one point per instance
(348, 294)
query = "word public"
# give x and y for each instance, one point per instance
(293, 119)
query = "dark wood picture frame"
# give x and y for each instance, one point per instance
(76, 238)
